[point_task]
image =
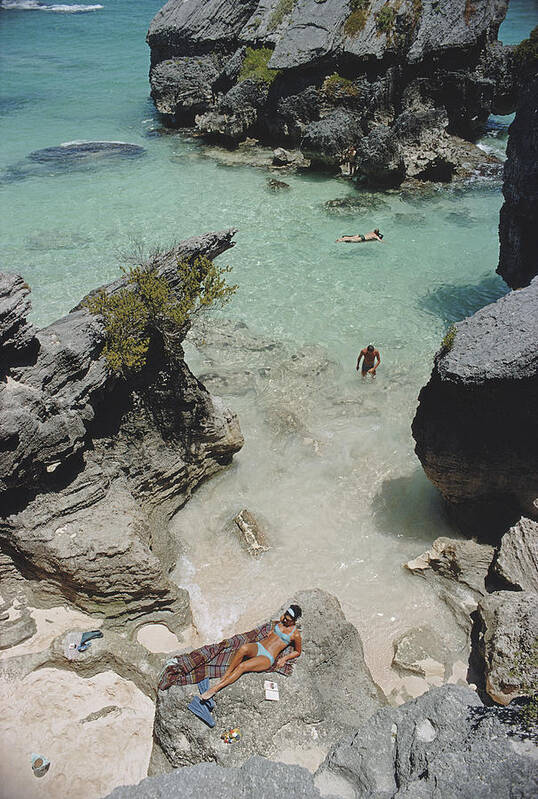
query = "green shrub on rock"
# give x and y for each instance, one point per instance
(255, 65)
(448, 341)
(384, 20)
(336, 87)
(357, 18)
(148, 305)
(283, 8)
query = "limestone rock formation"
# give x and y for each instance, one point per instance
(508, 644)
(457, 571)
(517, 561)
(258, 778)
(518, 231)
(93, 466)
(443, 744)
(476, 427)
(334, 73)
(17, 335)
(329, 693)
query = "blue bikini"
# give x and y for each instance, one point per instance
(283, 637)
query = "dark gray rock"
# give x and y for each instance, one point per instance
(329, 693)
(443, 744)
(464, 72)
(17, 335)
(485, 466)
(86, 151)
(182, 87)
(326, 140)
(508, 644)
(258, 778)
(518, 231)
(517, 561)
(236, 114)
(93, 466)
(457, 571)
(277, 185)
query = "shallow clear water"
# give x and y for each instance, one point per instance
(342, 518)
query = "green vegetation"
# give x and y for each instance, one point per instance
(283, 8)
(448, 342)
(417, 11)
(255, 66)
(336, 88)
(384, 20)
(526, 53)
(357, 19)
(148, 305)
(525, 670)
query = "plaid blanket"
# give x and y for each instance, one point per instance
(213, 660)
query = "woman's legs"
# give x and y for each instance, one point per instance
(244, 651)
(258, 663)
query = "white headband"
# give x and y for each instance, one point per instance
(291, 612)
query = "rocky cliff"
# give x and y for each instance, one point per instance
(476, 425)
(518, 231)
(404, 82)
(92, 466)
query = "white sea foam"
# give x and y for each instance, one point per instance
(35, 5)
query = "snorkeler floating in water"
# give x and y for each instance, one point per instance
(261, 655)
(374, 235)
(369, 365)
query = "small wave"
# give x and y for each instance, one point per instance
(35, 5)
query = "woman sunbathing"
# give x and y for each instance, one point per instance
(261, 655)
(374, 235)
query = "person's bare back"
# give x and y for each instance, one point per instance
(358, 238)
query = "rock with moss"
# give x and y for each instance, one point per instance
(508, 644)
(95, 461)
(356, 54)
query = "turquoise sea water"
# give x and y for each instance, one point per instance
(343, 521)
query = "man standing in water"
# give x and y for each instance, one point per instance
(369, 365)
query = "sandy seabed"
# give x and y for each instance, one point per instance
(96, 732)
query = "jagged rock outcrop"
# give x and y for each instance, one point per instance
(329, 693)
(508, 644)
(341, 69)
(457, 571)
(516, 564)
(443, 744)
(476, 426)
(93, 466)
(518, 231)
(17, 335)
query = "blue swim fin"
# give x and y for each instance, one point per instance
(203, 685)
(201, 710)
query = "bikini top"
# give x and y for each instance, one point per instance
(283, 636)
